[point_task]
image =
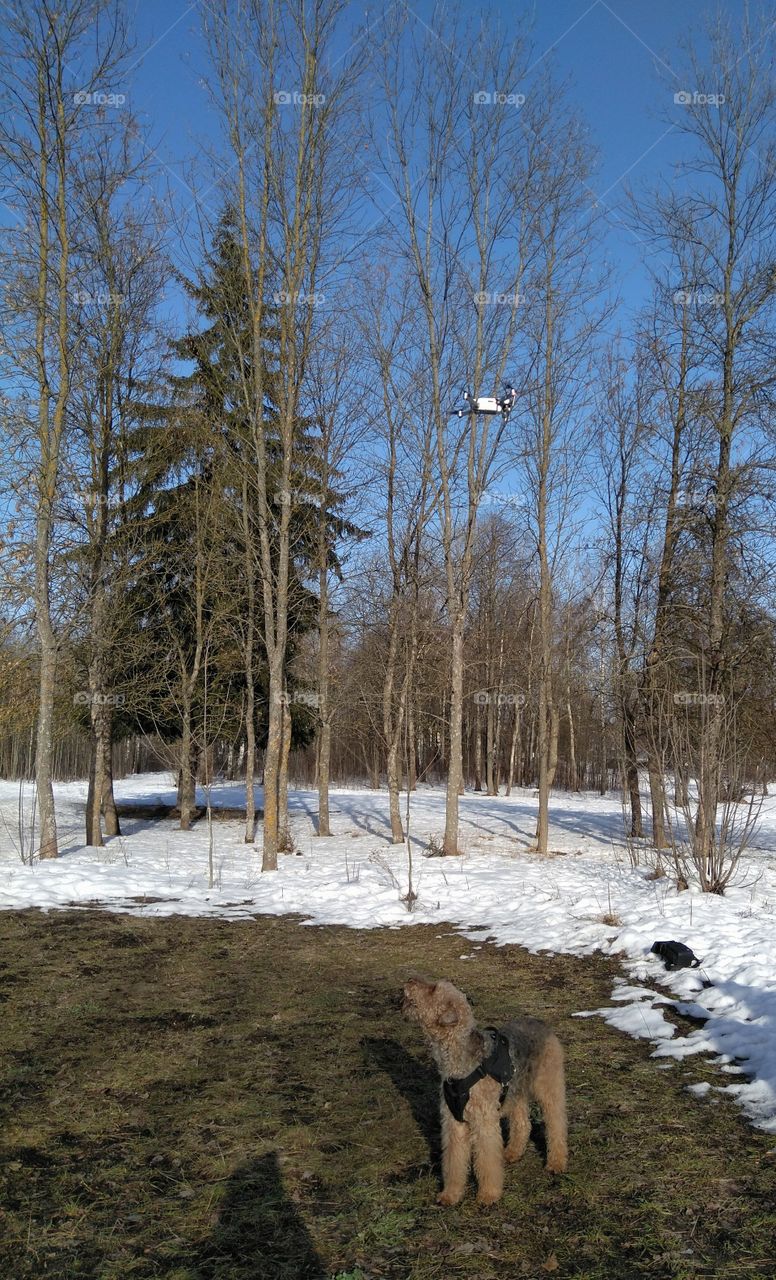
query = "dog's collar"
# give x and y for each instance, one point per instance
(498, 1065)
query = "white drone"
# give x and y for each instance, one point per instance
(489, 405)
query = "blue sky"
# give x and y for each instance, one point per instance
(608, 49)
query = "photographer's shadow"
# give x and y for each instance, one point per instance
(259, 1234)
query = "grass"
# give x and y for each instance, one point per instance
(200, 1100)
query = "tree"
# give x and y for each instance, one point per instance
(46, 137)
(290, 199)
(722, 215)
(120, 277)
(461, 171)
(561, 324)
(624, 415)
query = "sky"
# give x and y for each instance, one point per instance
(620, 59)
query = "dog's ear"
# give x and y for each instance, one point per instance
(448, 1017)
(477, 1042)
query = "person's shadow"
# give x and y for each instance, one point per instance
(259, 1234)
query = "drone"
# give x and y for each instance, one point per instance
(489, 405)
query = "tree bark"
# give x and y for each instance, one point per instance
(478, 749)
(188, 769)
(455, 763)
(285, 844)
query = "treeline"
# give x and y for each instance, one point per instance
(261, 543)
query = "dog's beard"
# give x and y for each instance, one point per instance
(408, 1009)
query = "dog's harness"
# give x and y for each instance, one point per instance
(498, 1064)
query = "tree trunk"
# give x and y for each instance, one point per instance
(478, 749)
(681, 780)
(324, 737)
(188, 770)
(631, 769)
(513, 749)
(497, 751)
(324, 770)
(573, 779)
(250, 754)
(394, 783)
(392, 724)
(285, 844)
(93, 829)
(272, 751)
(490, 737)
(412, 759)
(657, 798)
(44, 747)
(248, 658)
(455, 763)
(110, 813)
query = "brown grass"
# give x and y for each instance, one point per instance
(199, 1100)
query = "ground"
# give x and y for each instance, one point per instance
(595, 891)
(199, 1099)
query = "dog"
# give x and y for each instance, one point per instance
(487, 1074)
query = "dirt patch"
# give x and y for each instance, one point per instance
(158, 812)
(207, 1100)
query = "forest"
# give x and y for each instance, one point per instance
(360, 473)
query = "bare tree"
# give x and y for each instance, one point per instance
(281, 99)
(460, 166)
(403, 435)
(45, 137)
(340, 424)
(120, 277)
(561, 323)
(624, 415)
(722, 215)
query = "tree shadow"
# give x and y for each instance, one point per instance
(416, 1081)
(259, 1235)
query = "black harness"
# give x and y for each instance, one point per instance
(498, 1064)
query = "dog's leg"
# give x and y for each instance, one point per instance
(549, 1089)
(456, 1158)
(488, 1148)
(519, 1130)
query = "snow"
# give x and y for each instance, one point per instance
(586, 896)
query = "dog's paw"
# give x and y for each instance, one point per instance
(556, 1164)
(448, 1198)
(512, 1157)
(488, 1197)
